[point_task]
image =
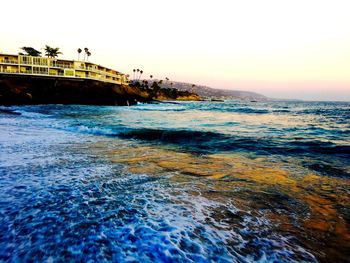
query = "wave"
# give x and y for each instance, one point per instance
(232, 108)
(205, 142)
(326, 169)
(218, 141)
(9, 112)
(281, 111)
(96, 130)
(251, 110)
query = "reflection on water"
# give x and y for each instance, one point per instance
(192, 182)
(311, 207)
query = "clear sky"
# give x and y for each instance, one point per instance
(280, 48)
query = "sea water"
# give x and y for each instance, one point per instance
(176, 182)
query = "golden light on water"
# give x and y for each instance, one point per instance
(252, 185)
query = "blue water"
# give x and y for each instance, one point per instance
(124, 184)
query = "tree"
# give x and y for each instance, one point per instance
(141, 71)
(31, 51)
(151, 76)
(48, 51)
(88, 55)
(86, 50)
(79, 51)
(155, 86)
(51, 52)
(134, 70)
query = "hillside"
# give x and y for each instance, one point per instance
(162, 92)
(209, 93)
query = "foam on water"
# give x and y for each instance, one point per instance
(82, 183)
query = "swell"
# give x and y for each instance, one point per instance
(223, 142)
(234, 108)
(205, 142)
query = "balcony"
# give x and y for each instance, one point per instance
(9, 61)
(60, 65)
(27, 71)
(25, 62)
(61, 74)
(9, 71)
(40, 64)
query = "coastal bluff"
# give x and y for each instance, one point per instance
(21, 90)
(18, 90)
(32, 79)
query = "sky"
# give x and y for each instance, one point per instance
(280, 48)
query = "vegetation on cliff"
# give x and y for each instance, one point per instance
(156, 92)
(207, 93)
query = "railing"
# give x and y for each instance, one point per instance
(39, 64)
(56, 74)
(61, 74)
(26, 62)
(59, 65)
(40, 72)
(8, 61)
(97, 71)
(9, 71)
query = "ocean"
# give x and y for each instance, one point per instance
(226, 181)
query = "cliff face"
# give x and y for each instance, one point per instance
(49, 90)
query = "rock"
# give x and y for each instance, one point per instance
(53, 90)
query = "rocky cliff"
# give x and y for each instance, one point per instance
(51, 90)
(16, 89)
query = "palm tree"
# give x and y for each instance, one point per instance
(86, 50)
(51, 52)
(79, 51)
(137, 73)
(55, 52)
(134, 70)
(47, 51)
(141, 71)
(88, 53)
(151, 76)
